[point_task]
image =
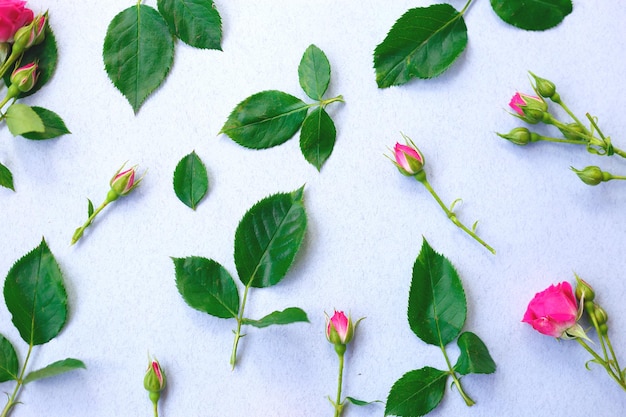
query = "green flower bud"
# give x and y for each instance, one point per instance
(545, 88)
(584, 290)
(574, 132)
(31, 34)
(154, 381)
(601, 316)
(520, 136)
(592, 175)
(25, 78)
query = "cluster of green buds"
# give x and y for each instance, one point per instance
(596, 314)
(534, 109)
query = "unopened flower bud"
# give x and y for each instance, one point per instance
(407, 158)
(584, 290)
(545, 88)
(520, 136)
(592, 175)
(573, 131)
(339, 331)
(31, 34)
(600, 314)
(123, 182)
(25, 78)
(154, 380)
(529, 108)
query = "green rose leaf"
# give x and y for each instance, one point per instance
(195, 22)
(52, 123)
(287, 316)
(314, 72)
(46, 56)
(206, 286)
(474, 357)
(416, 393)
(361, 402)
(9, 365)
(265, 119)
(532, 14)
(268, 238)
(56, 368)
(6, 178)
(317, 137)
(190, 180)
(89, 208)
(423, 43)
(22, 119)
(35, 296)
(437, 306)
(138, 52)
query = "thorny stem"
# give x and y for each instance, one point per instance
(421, 177)
(238, 335)
(20, 380)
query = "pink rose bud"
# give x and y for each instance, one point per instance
(32, 34)
(25, 78)
(154, 381)
(123, 182)
(339, 329)
(407, 158)
(554, 312)
(13, 15)
(528, 108)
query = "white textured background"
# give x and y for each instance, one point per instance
(366, 221)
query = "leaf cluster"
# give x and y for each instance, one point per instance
(139, 44)
(272, 117)
(267, 240)
(35, 296)
(425, 41)
(436, 313)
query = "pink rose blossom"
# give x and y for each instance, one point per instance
(553, 311)
(408, 159)
(13, 15)
(339, 328)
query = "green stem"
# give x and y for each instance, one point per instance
(12, 399)
(596, 127)
(338, 405)
(559, 140)
(456, 379)
(603, 363)
(156, 411)
(79, 232)
(558, 101)
(238, 335)
(462, 12)
(324, 103)
(421, 177)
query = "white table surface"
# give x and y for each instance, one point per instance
(366, 221)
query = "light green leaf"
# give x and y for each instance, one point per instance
(417, 393)
(52, 122)
(437, 306)
(35, 296)
(89, 208)
(287, 316)
(6, 177)
(9, 365)
(138, 52)
(314, 72)
(195, 22)
(206, 286)
(190, 180)
(532, 14)
(268, 238)
(265, 119)
(361, 403)
(474, 357)
(56, 368)
(22, 119)
(317, 137)
(423, 43)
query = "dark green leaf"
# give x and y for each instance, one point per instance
(265, 119)
(287, 316)
(35, 296)
(6, 178)
(437, 306)
(317, 137)
(138, 52)
(268, 238)
(361, 402)
(22, 119)
(9, 365)
(53, 125)
(56, 368)
(532, 14)
(190, 180)
(46, 56)
(89, 208)
(314, 72)
(195, 22)
(206, 286)
(474, 357)
(423, 43)
(417, 393)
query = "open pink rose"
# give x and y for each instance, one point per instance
(553, 311)
(13, 15)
